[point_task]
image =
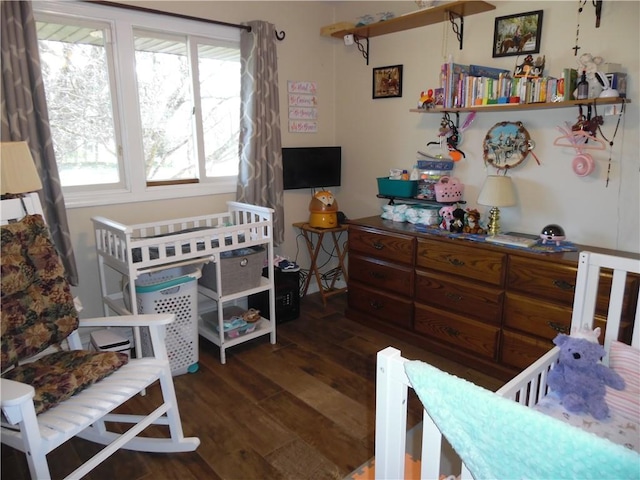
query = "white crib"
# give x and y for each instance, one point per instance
(527, 388)
(133, 250)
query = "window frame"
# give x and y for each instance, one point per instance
(126, 109)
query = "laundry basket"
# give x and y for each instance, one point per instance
(174, 290)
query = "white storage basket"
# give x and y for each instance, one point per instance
(174, 290)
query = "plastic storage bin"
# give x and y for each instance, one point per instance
(174, 290)
(397, 188)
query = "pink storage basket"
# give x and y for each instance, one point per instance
(448, 189)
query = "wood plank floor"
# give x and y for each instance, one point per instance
(300, 409)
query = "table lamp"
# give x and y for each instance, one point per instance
(497, 191)
(19, 174)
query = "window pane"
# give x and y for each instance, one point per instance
(219, 69)
(76, 78)
(166, 107)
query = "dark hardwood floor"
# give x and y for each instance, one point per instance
(300, 409)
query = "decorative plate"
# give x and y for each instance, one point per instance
(506, 145)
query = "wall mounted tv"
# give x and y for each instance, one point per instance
(311, 167)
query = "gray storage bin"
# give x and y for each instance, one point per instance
(241, 269)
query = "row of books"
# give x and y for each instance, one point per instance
(464, 86)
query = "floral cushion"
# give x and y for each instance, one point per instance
(37, 305)
(60, 375)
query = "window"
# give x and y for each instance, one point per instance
(140, 104)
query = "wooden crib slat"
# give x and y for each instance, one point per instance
(391, 414)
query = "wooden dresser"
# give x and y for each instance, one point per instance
(494, 308)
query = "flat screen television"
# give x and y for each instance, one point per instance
(311, 167)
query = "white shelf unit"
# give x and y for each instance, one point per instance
(127, 251)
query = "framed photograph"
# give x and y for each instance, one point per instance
(387, 82)
(517, 34)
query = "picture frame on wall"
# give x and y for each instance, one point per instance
(517, 34)
(387, 82)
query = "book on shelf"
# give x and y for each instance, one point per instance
(569, 81)
(489, 72)
(464, 86)
(512, 240)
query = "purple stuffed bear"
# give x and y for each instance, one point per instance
(579, 378)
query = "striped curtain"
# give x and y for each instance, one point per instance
(24, 117)
(260, 173)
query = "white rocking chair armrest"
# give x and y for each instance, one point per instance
(17, 400)
(143, 320)
(15, 393)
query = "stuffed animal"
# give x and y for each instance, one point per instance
(457, 224)
(473, 222)
(579, 378)
(447, 217)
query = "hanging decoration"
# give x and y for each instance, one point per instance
(506, 145)
(581, 3)
(450, 133)
(615, 132)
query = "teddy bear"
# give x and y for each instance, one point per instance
(590, 64)
(579, 378)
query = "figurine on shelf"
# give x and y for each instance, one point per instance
(426, 99)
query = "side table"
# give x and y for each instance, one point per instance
(310, 233)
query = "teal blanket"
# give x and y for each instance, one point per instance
(501, 439)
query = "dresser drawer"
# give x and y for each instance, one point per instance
(520, 351)
(556, 282)
(531, 315)
(383, 306)
(457, 331)
(380, 244)
(380, 274)
(542, 279)
(463, 260)
(470, 299)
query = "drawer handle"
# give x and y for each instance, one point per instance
(558, 327)
(456, 263)
(375, 305)
(378, 275)
(562, 285)
(453, 296)
(378, 245)
(451, 331)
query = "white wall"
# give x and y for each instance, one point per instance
(379, 134)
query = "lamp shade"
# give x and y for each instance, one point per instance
(497, 191)
(19, 174)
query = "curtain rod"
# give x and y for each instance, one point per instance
(279, 35)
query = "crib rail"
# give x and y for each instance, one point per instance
(392, 386)
(528, 387)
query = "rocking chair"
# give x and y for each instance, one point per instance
(70, 392)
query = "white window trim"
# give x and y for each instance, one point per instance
(126, 20)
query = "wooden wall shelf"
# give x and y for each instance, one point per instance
(451, 11)
(504, 107)
(420, 18)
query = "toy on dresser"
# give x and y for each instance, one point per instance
(473, 222)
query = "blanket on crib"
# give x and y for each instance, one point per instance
(499, 438)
